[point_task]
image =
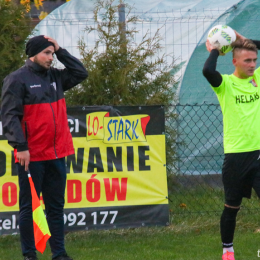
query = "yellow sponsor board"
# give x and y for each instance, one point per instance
(113, 174)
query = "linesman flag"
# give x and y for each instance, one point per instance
(40, 226)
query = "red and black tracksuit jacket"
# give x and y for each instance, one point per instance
(33, 110)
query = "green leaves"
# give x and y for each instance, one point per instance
(14, 29)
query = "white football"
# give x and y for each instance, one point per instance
(221, 37)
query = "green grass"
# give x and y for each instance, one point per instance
(190, 235)
(144, 243)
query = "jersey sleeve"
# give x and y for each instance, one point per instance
(209, 70)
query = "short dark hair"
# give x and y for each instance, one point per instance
(244, 45)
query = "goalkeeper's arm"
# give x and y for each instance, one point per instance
(209, 69)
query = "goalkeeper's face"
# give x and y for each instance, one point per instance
(245, 63)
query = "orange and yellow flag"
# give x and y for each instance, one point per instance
(40, 226)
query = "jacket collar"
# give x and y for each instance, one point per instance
(35, 67)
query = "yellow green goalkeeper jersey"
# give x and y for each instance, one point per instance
(240, 104)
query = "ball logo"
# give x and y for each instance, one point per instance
(214, 31)
(224, 48)
(226, 36)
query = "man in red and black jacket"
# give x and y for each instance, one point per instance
(34, 118)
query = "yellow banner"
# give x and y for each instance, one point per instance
(113, 174)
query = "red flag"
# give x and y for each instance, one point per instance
(40, 226)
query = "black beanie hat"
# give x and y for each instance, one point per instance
(36, 45)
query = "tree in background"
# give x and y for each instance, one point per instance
(14, 29)
(125, 72)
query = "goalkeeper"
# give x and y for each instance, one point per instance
(239, 98)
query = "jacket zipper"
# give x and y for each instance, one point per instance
(54, 131)
(26, 131)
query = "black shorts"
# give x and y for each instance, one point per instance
(238, 173)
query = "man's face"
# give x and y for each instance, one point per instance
(245, 63)
(45, 57)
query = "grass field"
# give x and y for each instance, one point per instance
(199, 242)
(190, 236)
